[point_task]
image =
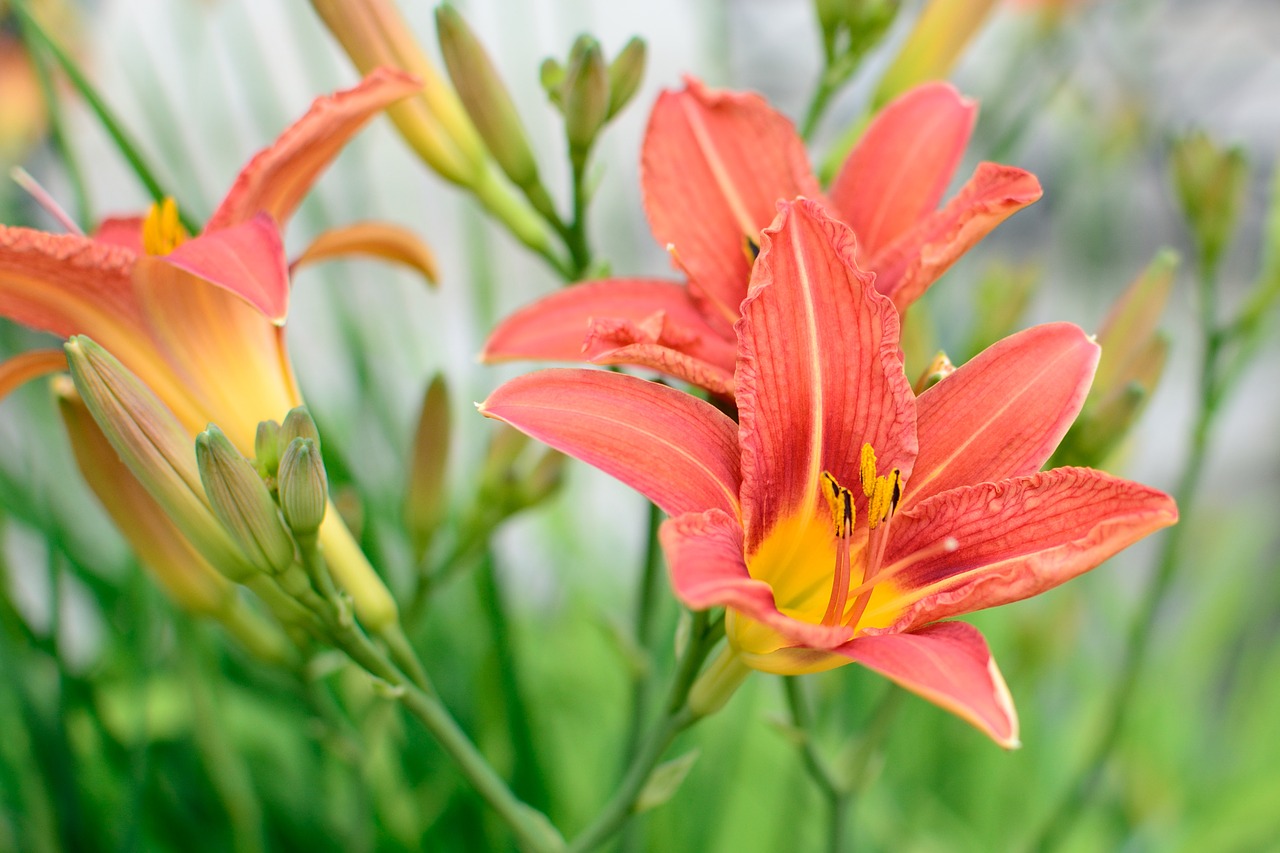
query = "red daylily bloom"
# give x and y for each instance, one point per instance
(842, 517)
(200, 321)
(714, 166)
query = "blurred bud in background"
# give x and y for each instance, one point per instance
(1209, 180)
(939, 37)
(1131, 364)
(424, 501)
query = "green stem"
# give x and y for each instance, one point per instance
(1060, 821)
(836, 795)
(124, 143)
(576, 238)
(677, 717)
(529, 826)
(58, 135)
(818, 104)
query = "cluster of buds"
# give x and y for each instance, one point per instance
(589, 91)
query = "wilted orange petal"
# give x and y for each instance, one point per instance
(1003, 413)
(905, 269)
(901, 167)
(1015, 539)
(713, 167)
(278, 177)
(950, 665)
(675, 449)
(819, 371)
(380, 240)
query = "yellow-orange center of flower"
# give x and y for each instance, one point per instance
(162, 230)
(882, 493)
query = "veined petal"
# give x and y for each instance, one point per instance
(713, 167)
(1014, 539)
(1001, 414)
(22, 368)
(950, 665)
(555, 328)
(905, 268)
(704, 553)
(380, 240)
(676, 450)
(247, 260)
(819, 372)
(901, 167)
(278, 177)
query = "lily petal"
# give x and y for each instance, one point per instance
(905, 268)
(704, 553)
(1014, 539)
(677, 450)
(714, 166)
(900, 169)
(1003, 413)
(66, 284)
(673, 363)
(380, 240)
(819, 371)
(122, 231)
(555, 327)
(24, 367)
(247, 260)
(278, 177)
(950, 665)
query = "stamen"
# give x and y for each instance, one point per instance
(750, 248)
(42, 197)
(867, 473)
(863, 590)
(162, 231)
(840, 500)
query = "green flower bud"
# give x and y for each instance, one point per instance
(1210, 183)
(484, 97)
(298, 424)
(586, 96)
(266, 450)
(551, 76)
(156, 449)
(242, 503)
(304, 487)
(425, 494)
(625, 74)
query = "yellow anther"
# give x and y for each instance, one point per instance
(750, 248)
(886, 492)
(840, 500)
(867, 473)
(162, 231)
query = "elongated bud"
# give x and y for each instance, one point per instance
(546, 478)
(485, 97)
(266, 450)
(242, 503)
(373, 33)
(551, 76)
(717, 683)
(1130, 327)
(940, 35)
(586, 96)
(939, 369)
(626, 72)
(154, 446)
(304, 487)
(1210, 182)
(424, 495)
(299, 424)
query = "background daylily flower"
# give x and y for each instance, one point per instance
(714, 166)
(200, 320)
(842, 517)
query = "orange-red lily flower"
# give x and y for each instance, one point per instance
(200, 320)
(714, 166)
(843, 517)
